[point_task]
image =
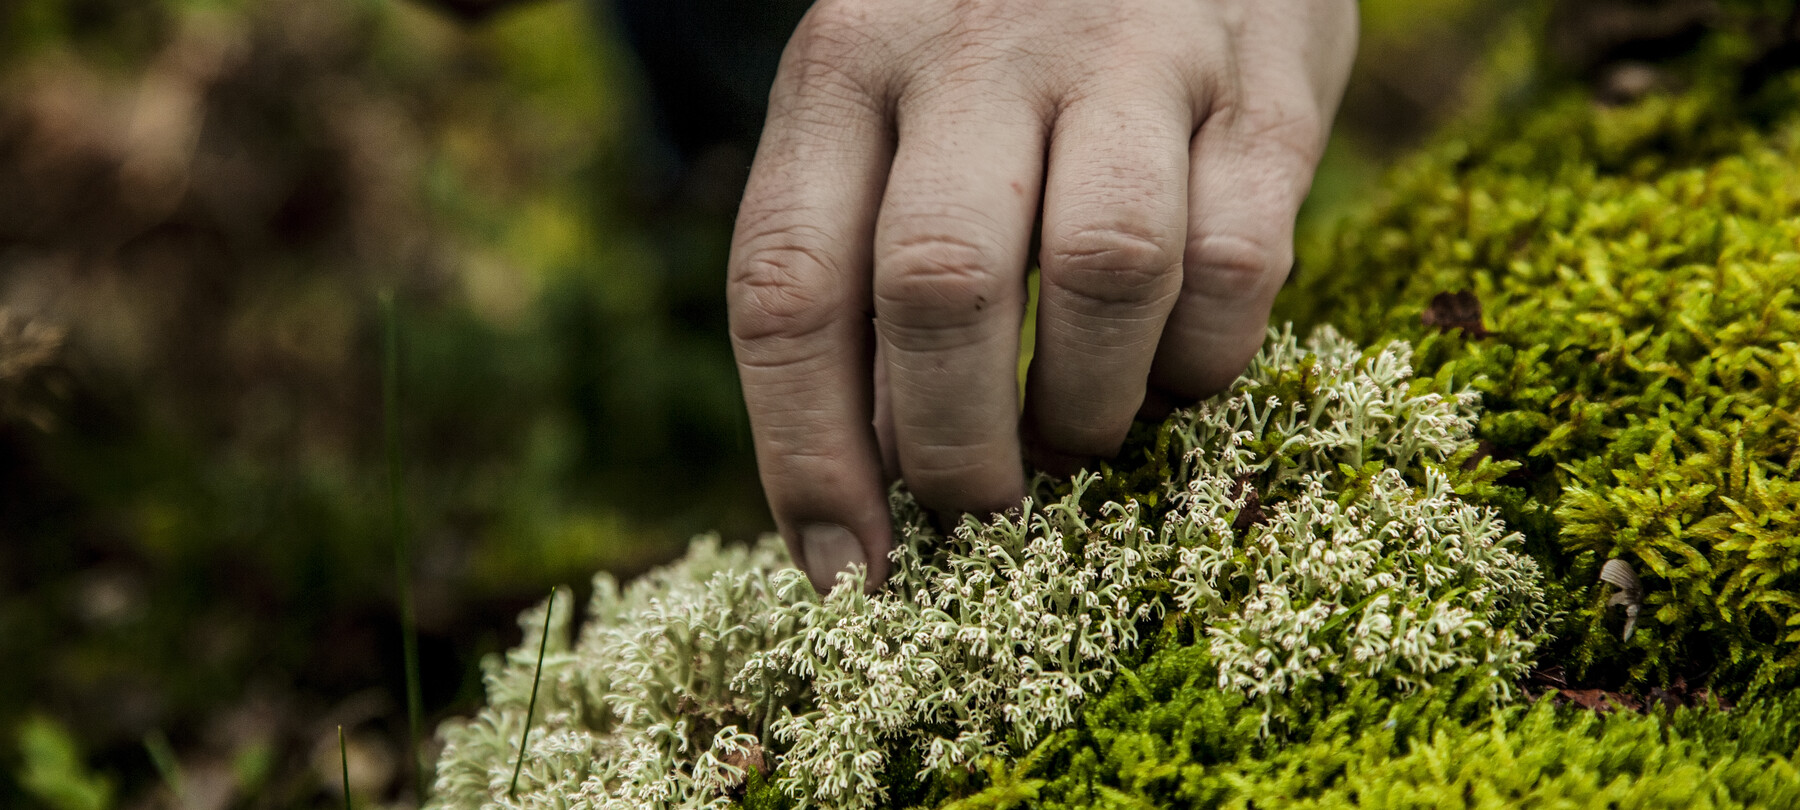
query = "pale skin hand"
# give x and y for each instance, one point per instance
(877, 272)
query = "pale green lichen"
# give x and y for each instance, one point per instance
(1307, 526)
(1399, 584)
(640, 711)
(1397, 581)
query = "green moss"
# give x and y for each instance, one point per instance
(1164, 737)
(1637, 267)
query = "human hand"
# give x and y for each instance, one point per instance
(907, 148)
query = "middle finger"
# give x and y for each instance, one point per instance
(1115, 224)
(951, 244)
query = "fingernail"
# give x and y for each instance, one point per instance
(829, 548)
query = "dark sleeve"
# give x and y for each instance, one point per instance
(709, 64)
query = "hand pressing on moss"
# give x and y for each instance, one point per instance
(877, 271)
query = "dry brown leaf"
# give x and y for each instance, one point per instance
(1457, 310)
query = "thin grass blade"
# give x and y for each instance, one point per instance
(162, 756)
(531, 705)
(401, 539)
(344, 761)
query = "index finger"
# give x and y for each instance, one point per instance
(798, 298)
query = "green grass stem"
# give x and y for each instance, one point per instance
(344, 762)
(409, 636)
(531, 705)
(162, 757)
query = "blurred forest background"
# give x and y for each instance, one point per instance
(201, 204)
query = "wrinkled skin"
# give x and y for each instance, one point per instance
(876, 284)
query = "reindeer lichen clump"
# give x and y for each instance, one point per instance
(1302, 549)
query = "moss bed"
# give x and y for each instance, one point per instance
(1368, 576)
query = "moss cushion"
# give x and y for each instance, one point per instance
(1367, 576)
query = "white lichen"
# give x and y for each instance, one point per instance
(1308, 540)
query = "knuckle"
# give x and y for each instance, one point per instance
(791, 463)
(940, 468)
(1294, 130)
(952, 479)
(832, 54)
(793, 450)
(776, 294)
(1196, 384)
(1114, 264)
(831, 32)
(938, 280)
(1234, 267)
(1086, 437)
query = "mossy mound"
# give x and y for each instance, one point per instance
(1583, 321)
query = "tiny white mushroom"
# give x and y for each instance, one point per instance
(1630, 594)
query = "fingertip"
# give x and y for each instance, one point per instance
(1158, 404)
(1050, 459)
(1182, 378)
(981, 492)
(827, 551)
